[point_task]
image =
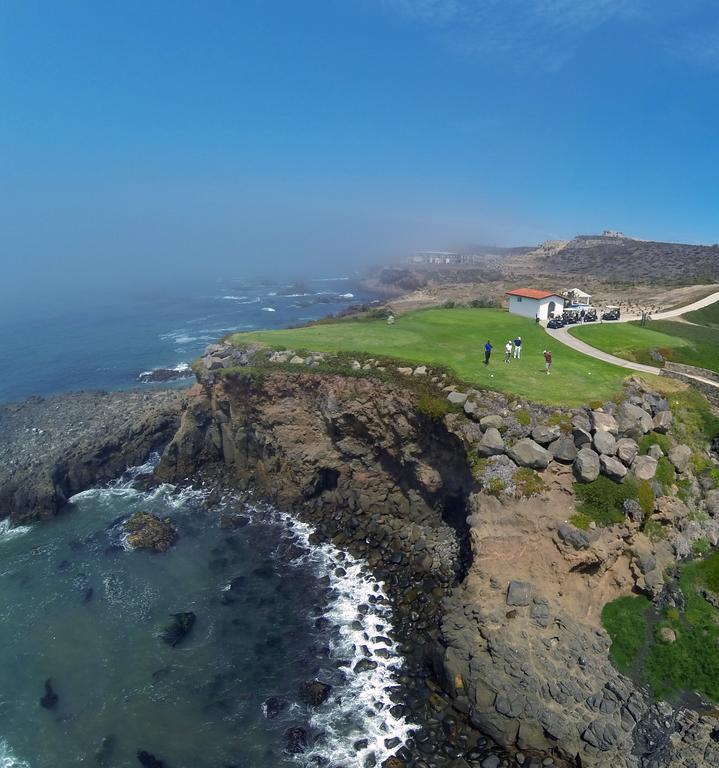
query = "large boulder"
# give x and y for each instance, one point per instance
(527, 453)
(711, 503)
(612, 468)
(491, 444)
(563, 450)
(178, 629)
(633, 421)
(655, 451)
(145, 531)
(581, 420)
(519, 593)
(315, 692)
(680, 456)
(605, 443)
(662, 422)
(604, 422)
(493, 420)
(644, 467)
(456, 398)
(627, 450)
(545, 435)
(586, 465)
(581, 437)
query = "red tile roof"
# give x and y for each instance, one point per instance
(530, 293)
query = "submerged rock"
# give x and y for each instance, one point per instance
(315, 692)
(296, 740)
(178, 629)
(50, 699)
(145, 531)
(148, 760)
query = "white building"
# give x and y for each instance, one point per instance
(530, 302)
(578, 295)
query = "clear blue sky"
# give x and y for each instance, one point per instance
(154, 135)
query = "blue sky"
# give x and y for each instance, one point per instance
(156, 136)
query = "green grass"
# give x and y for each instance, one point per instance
(601, 501)
(683, 343)
(654, 438)
(625, 619)
(455, 338)
(691, 663)
(708, 316)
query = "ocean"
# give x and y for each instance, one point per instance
(84, 614)
(107, 344)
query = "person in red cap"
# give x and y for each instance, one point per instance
(547, 360)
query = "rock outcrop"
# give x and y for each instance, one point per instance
(56, 447)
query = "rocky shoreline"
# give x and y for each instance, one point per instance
(53, 448)
(460, 502)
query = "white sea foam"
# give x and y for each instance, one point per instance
(7, 532)
(363, 703)
(331, 279)
(234, 298)
(347, 296)
(269, 309)
(8, 760)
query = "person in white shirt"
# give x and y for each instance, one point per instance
(508, 352)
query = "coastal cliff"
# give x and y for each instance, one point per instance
(514, 636)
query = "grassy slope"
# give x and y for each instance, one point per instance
(707, 316)
(455, 338)
(679, 342)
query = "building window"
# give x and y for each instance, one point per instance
(519, 298)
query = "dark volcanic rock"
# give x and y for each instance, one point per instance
(296, 741)
(315, 692)
(50, 699)
(148, 760)
(54, 448)
(178, 629)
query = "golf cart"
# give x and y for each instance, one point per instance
(611, 313)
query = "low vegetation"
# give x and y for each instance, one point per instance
(602, 501)
(527, 482)
(672, 650)
(455, 339)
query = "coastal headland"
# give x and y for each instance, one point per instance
(491, 519)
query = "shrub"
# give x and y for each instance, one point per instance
(654, 438)
(602, 500)
(523, 417)
(528, 482)
(449, 304)
(436, 408)
(580, 520)
(495, 486)
(484, 302)
(701, 547)
(562, 421)
(654, 531)
(666, 474)
(645, 497)
(594, 404)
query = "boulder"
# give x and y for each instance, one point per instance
(667, 635)
(644, 467)
(178, 629)
(627, 450)
(471, 408)
(563, 450)
(574, 537)
(493, 420)
(315, 692)
(545, 435)
(655, 452)
(680, 456)
(581, 420)
(581, 437)
(633, 421)
(586, 465)
(604, 422)
(295, 740)
(711, 503)
(145, 531)
(456, 398)
(527, 453)
(519, 593)
(408, 372)
(420, 370)
(297, 360)
(212, 363)
(604, 443)
(491, 444)
(663, 422)
(612, 468)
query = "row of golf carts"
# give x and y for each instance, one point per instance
(577, 314)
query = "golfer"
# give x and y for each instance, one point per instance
(487, 352)
(518, 348)
(547, 360)
(508, 352)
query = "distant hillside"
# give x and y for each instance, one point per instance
(619, 259)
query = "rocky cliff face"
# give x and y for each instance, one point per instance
(352, 454)
(517, 645)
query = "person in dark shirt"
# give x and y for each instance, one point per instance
(487, 352)
(547, 360)
(518, 347)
